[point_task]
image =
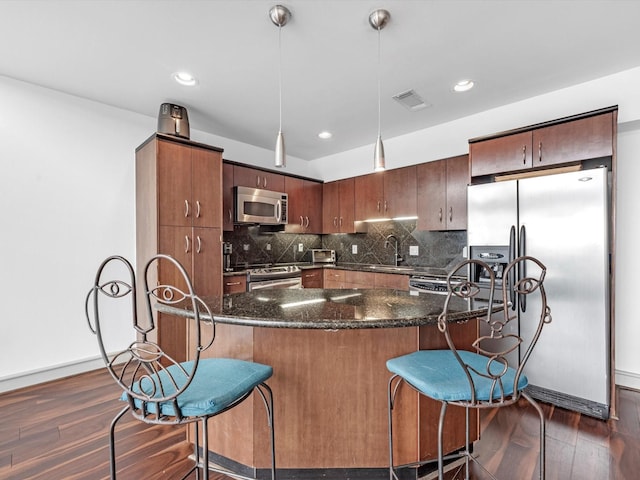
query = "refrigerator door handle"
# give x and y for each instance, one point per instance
(512, 256)
(522, 268)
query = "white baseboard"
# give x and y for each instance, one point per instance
(628, 379)
(26, 379)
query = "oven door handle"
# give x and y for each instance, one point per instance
(280, 283)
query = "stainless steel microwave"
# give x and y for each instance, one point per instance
(253, 205)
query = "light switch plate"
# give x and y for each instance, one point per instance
(354, 249)
(300, 247)
(413, 250)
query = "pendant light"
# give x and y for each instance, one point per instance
(378, 19)
(280, 15)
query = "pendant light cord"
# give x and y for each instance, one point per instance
(280, 74)
(379, 114)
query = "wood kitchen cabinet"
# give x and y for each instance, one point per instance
(304, 204)
(312, 278)
(333, 278)
(388, 194)
(256, 178)
(235, 283)
(559, 142)
(442, 194)
(179, 213)
(227, 197)
(338, 207)
(337, 278)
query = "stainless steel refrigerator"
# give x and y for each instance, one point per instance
(563, 220)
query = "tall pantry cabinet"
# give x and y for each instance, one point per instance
(179, 213)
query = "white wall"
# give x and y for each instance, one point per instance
(67, 201)
(67, 197)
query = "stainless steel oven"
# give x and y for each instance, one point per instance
(285, 276)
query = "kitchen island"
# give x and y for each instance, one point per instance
(328, 349)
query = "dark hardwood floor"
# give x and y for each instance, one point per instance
(58, 430)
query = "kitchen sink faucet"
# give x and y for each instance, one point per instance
(387, 242)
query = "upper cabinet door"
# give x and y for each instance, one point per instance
(582, 139)
(313, 206)
(175, 203)
(331, 207)
(400, 199)
(346, 221)
(255, 178)
(294, 187)
(227, 197)
(206, 172)
(502, 154)
(432, 195)
(370, 204)
(442, 194)
(457, 181)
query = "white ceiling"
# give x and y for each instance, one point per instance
(122, 53)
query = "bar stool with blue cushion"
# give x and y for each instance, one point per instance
(487, 373)
(157, 388)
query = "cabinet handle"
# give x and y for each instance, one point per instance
(378, 205)
(186, 208)
(199, 247)
(230, 216)
(301, 221)
(524, 154)
(540, 151)
(258, 181)
(197, 208)
(231, 284)
(341, 221)
(264, 181)
(385, 205)
(307, 222)
(335, 221)
(309, 275)
(450, 214)
(440, 215)
(187, 244)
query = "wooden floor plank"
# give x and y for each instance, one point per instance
(59, 431)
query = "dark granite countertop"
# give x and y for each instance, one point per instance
(332, 309)
(363, 267)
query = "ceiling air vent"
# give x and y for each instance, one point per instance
(410, 100)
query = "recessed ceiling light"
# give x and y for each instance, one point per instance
(463, 85)
(325, 135)
(184, 78)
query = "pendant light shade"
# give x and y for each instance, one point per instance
(280, 15)
(378, 19)
(281, 156)
(378, 156)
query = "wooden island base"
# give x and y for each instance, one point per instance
(330, 395)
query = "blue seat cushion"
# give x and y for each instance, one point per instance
(439, 375)
(218, 382)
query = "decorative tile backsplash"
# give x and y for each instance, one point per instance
(434, 249)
